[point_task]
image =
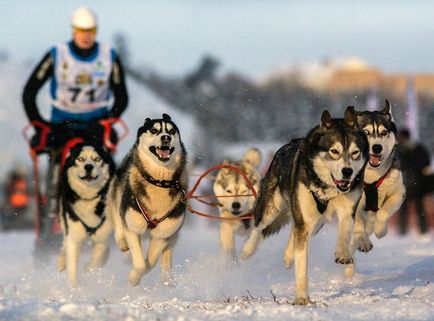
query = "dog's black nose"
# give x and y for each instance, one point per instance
(236, 205)
(377, 148)
(88, 167)
(347, 172)
(165, 139)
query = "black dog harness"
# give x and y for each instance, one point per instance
(321, 204)
(175, 184)
(371, 193)
(89, 230)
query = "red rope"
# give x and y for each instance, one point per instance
(190, 194)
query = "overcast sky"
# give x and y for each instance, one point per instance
(249, 36)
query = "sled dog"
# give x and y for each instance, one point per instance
(147, 193)
(307, 182)
(232, 188)
(384, 190)
(83, 187)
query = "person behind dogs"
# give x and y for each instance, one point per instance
(415, 162)
(86, 78)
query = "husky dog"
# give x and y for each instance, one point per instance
(307, 182)
(83, 188)
(147, 193)
(384, 190)
(233, 188)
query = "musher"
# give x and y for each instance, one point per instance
(87, 85)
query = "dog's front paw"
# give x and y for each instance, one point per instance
(302, 301)
(343, 257)
(135, 276)
(380, 229)
(249, 247)
(123, 245)
(364, 244)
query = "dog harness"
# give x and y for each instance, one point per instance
(89, 230)
(371, 193)
(321, 204)
(175, 184)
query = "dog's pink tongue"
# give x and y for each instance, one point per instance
(374, 160)
(164, 153)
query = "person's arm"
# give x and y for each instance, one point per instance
(117, 84)
(42, 72)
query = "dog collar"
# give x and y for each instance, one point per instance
(371, 193)
(163, 183)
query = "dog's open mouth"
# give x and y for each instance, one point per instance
(343, 185)
(88, 178)
(236, 212)
(163, 153)
(374, 160)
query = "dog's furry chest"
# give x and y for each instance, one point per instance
(86, 211)
(239, 226)
(158, 201)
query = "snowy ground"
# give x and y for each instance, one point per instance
(395, 282)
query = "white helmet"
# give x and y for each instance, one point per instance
(84, 18)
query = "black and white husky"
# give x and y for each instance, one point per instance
(147, 193)
(384, 190)
(233, 189)
(83, 188)
(307, 182)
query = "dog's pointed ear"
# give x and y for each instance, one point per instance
(326, 119)
(146, 120)
(253, 156)
(388, 110)
(166, 117)
(350, 116)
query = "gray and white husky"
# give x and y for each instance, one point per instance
(147, 193)
(233, 189)
(307, 182)
(83, 188)
(384, 190)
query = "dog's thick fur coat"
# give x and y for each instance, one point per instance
(83, 187)
(232, 189)
(307, 182)
(148, 194)
(384, 190)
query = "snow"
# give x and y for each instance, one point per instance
(394, 282)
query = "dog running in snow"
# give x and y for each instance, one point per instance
(233, 189)
(384, 190)
(307, 182)
(147, 193)
(83, 187)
